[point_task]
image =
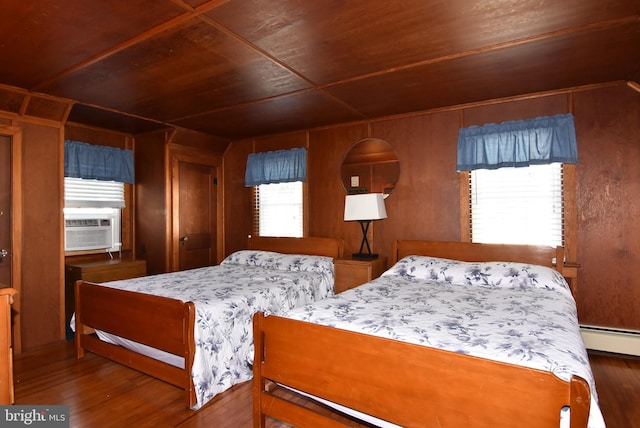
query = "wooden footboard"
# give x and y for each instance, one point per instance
(159, 322)
(406, 384)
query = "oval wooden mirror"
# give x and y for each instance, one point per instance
(370, 166)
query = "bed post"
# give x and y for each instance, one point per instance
(394, 255)
(560, 259)
(258, 383)
(580, 402)
(78, 324)
(190, 352)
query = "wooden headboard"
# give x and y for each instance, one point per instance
(475, 252)
(329, 247)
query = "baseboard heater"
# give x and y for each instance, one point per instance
(619, 341)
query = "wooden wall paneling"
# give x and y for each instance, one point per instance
(291, 140)
(425, 202)
(50, 108)
(98, 136)
(517, 109)
(62, 291)
(465, 201)
(129, 211)
(327, 149)
(608, 185)
(151, 214)
(570, 214)
(11, 99)
(237, 215)
(127, 222)
(197, 140)
(42, 262)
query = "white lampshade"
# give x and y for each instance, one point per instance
(365, 206)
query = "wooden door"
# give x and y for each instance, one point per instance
(197, 200)
(5, 211)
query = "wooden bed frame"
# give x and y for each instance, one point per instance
(378, 376)
(136, 316)
(474, 252)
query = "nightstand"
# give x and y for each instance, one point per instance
(350, 273)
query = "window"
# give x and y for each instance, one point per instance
(84, 193)
(277, 178)
(517, 205)
(92, 214)
(278, 209)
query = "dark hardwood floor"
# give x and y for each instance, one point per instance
(102, 393)
(618, 385)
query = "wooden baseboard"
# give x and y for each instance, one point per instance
(619, 341)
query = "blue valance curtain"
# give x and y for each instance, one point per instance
(82, 160)
(538, 141)
(280, 166)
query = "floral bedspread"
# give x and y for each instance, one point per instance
(515, 313)
(226, 297)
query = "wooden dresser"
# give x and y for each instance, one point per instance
(350, 273)
(6, 353)
(102, 271)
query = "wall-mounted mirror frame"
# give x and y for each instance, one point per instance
(370, 166)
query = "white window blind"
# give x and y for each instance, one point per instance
(517, 205)
(83, 193)
(278, 209)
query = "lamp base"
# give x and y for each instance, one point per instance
(364, 256)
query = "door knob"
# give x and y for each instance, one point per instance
(4, 253)
(184, 239)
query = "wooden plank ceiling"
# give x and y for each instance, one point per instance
(243, 68)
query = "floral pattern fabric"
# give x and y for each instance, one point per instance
(226, 297)
(515, 313)
(488, 274)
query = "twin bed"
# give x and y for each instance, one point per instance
(446, 338)
(452, 339)
(193, 328)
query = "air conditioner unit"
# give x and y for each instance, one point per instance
(88, 233)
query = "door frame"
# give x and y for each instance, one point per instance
(15, 134)
(177, 154)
